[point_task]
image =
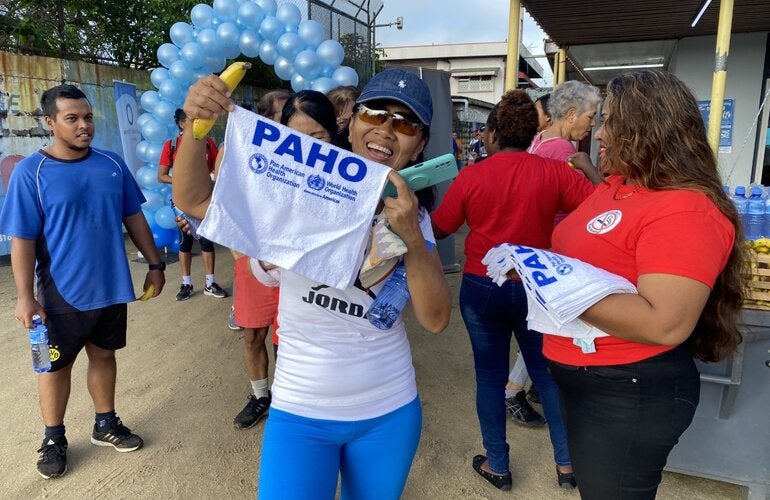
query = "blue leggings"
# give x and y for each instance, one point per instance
(303, 457)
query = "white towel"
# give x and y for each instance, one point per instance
(559, 289)
(292, 200)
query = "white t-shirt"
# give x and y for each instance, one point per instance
(332, 363)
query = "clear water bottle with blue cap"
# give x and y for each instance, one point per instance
(741, 206)
(391, 300)
(38, 338)
(755, 214)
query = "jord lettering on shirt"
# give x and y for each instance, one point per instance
(349, 168)
(333, 303)
(533, 262)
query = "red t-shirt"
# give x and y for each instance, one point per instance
(211, 152)
(674, 232)
(509, 198)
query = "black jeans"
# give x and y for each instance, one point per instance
(622, 421)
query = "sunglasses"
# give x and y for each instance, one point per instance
(399, 122)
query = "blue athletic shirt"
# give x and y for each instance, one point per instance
(74, 210)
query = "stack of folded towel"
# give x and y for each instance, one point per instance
(559, 289)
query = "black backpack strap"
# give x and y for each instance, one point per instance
(172, 149)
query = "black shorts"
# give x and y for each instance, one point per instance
(69, 332)
(187, 243)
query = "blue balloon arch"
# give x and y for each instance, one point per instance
(297, 50)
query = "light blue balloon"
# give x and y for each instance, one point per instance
(289, 14)
(267, 52)
(299, 82)
(327, 71)
(164, 111)
(153, 130)
(271, 29)
(172, 91)
(331, 53)
(148, 100)
(323, 84)
(141, 149)
(167, 54)
(147, 177)
(249, 43)
(231, 52)
(153, 150)
(228, 34)
(215, 64)
(181, 72)
(250, 15)
(311, 32)
(290, 28)
(207, 38)
(289, 45)
(226, 10)
(181, 33)
(193, 54)
(268, 6)
(201, 73)
(172, 129)
(283, 68)
(154, 201)
(307, 64)
(345, 75)
(158, 76)
(164, 217)
(201, 15)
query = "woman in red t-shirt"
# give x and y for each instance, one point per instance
(511, 196)
(626, 404)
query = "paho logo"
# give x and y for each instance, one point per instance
(258, 163)
(605, 222)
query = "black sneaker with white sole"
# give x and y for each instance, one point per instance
(254, 411)
(118, 436)
(53, 457)
(522, 412)
(214, 290)
(185, 292)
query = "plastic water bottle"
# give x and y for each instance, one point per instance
(741, 206)
(755, 214)
(391, 300)
(38, 338)
(766, 226)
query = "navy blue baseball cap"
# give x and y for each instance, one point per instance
(402, 86)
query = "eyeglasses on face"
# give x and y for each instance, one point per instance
(400, 123)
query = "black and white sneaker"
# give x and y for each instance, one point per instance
(254, 411)
(215, 290)
(118, 436)
(53, 457)
(522, 412)
(185, 292)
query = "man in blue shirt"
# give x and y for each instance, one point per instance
(65, 209)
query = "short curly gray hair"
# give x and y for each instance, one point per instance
(573, 94)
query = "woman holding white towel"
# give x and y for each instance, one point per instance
(626, 404)
(345, 401)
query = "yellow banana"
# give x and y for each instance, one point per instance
(762, 242)
(232, 76)
(147, 295)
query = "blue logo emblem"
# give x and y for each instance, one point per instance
(564, 269)
(258, 163)
(316, 182)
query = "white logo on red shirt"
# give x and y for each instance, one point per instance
(605, 222)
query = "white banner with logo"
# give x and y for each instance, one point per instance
(292, 200)
(128, 112)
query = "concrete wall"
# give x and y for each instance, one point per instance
(693, 62)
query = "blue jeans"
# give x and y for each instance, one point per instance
(303, 457)
(491, 314)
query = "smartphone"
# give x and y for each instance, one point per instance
(426, 174)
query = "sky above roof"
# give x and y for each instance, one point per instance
(455, 21)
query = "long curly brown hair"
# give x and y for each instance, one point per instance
(657, 139)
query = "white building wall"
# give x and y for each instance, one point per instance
(693, 62)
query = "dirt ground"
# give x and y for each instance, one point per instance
(181, 381)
